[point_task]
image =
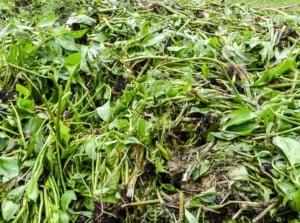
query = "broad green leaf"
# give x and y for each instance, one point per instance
(290, 147)
(8, 209)
(90, 147)
(3, 143)
(142, 128)
(190, 217)
(130, 140)
(72, 60)
(63, 217)
(22, 90)
(17, 193)
(239, 117)
(104, 112)
(47, 21)
(36, 143)
(154, 39)
(295, 201)
(172, 92)
(79, 33)
(81, 19)
(32, 125)
(238, 173)
(9, 167)
(67, 42)
(268, 75)
(214, 42)
(32, 189)
(66, 199)
(65, 132)
(159, 88)
(243, 129)
(25, 105)
(288, 190)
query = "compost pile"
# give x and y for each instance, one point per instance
(149, 111)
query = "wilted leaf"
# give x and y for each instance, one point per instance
(8, 209)
(290, 147)
(81, 19)
(190, 217)
(66, 199)
(238, 173)
(104, 112)
(90, 147)
(154, 39)
(9, 167)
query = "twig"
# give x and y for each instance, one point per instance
(139, 203)
(264, 212)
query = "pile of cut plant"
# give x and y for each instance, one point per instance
(148, 111)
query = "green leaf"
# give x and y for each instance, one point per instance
(204, 167)
(32, 189)
(22, 90)
(90, 148)
(17, 193)
(8, 209)
(239, 117)
(8, 167)
(154, 39)
(81, 19)
(290, 148)
(159, 88)
(130, 140)
(66, 199)
(47, 21)
(142, 128)
(268, 75)
(205, 71)
(190, 217)
(238, 173)
(67, 42)
(63, 217)
(3, 143)
(32, 125)
(25, 105)
(72, 61)
(104, 112)
(65, 132)
(243, 129)
(295, 201)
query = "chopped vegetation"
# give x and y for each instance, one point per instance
(139, 111)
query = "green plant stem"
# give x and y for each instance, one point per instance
(22, 211)
(168, 8)
(19, 125)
